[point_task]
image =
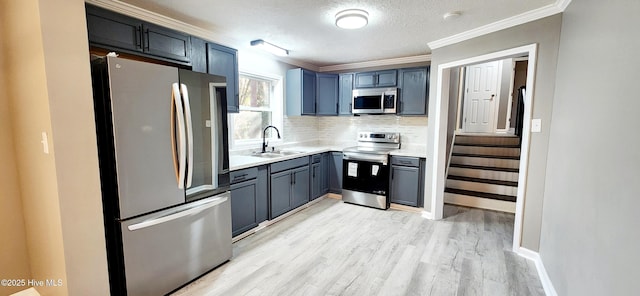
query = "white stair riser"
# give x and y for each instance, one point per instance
(482, 187)
(499, 151)
(483, 174)
(479, 202)
(490, 162)
(488, 140)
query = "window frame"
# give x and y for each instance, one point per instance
(276, 102)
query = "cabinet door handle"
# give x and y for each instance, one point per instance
(146, 39)
(294, 178)
(392, 173)
(138, 38)
(337, 108)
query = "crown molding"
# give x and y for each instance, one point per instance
(377, 63)
(529, 16)
(158, 19)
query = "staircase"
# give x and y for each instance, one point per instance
(483, 172)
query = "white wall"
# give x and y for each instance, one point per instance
(343, 129)
(590, 237)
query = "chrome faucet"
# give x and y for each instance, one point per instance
(264, 143)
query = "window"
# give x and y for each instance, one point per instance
(260, 106)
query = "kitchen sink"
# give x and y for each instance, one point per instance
(274, 154)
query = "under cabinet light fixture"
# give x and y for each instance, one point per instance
(352, 19)
(266, 46)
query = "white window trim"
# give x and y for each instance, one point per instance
(276, 102)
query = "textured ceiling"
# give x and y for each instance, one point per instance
(306, 28)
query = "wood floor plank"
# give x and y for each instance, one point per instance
(333, 248)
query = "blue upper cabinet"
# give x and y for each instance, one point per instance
(327, 94)
(223, 61)
(387, 78)
(300, 92)
(414, 91)
(113, 31)
(345, 95)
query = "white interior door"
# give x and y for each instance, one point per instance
(482, 90)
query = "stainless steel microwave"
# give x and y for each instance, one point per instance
(374, 101)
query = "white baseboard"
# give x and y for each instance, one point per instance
(479, 202)
(547, 285)
(28, 292)
(427, 215)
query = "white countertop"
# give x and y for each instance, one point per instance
(238, 162)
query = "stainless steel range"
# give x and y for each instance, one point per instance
(365, 169)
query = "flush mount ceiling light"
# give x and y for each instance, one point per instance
(266, 46)
(352, 19)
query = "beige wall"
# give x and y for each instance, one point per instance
(49, 90)
(14, 260)
(590, 238)
(30, 115)
(546, 34)
(64, 37)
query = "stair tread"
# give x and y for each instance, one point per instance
(481, 194)
(481, 180)
(486, 156)
(487, 168)
(487, 145)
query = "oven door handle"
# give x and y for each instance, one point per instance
(365, 157)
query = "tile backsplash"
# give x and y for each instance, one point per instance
(343, 129)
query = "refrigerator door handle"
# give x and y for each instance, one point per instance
(176, 109)
(189, 125)
(192, 210)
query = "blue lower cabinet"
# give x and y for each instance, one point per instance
(243, 206)
(249, 198)
(300, 186)
(335, 172)
(289, 185)
(407, 181)
(280, 193)
(262, 198)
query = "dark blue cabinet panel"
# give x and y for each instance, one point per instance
(289, 185)
(300, 187)
(319, 175)
(327, 94)
(404, 185)
(324, 168)
(335, 172)
(345, 94)
(262, 197)
(387, 78)
(300, 92)
(198, 55)
(414, 91)
(407, 181)
(243, 206)
(316, 180)
(166, 43)
(280, 193)
(113, 31)
(223, 61)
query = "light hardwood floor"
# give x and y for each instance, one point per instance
(334, 248)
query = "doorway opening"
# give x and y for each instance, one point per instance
(444, 116)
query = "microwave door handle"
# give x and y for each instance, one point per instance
(176, 108)
(189, 126)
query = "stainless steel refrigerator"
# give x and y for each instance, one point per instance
(164, 169)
